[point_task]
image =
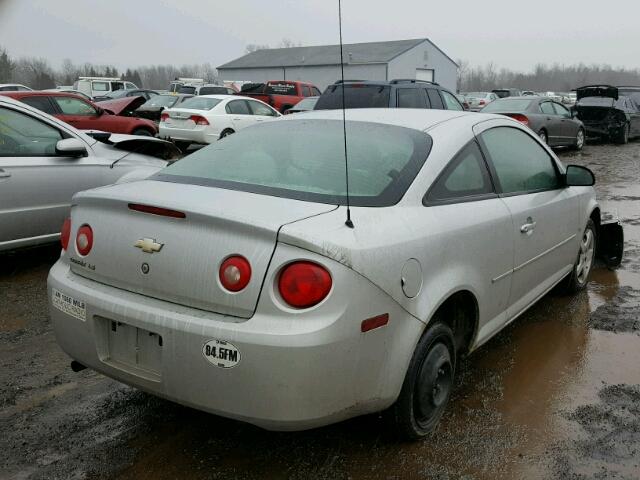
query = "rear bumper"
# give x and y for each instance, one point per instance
(201, 135)
(290, 375)
(602, 129)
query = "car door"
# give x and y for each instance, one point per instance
(552, 123)
(77, 112)
(240, 114)
(545, 213)
(261, 112)
(36, 184)
(568, 126)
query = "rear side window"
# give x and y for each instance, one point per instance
(238, 107)
(304, 160)
(521, 164)
(464, 178)
(412, 98)
(547, 108)
(41, 103)
(356, 96)
(258, 108)
(316, 92)
(306, 91)
(450, 101)
(436, 101)
(281, 89)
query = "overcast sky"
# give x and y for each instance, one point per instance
(141, 32)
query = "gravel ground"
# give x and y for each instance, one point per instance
(555, 395)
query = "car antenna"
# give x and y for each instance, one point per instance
(348, 222)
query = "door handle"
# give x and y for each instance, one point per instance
(528, 227)
(4, 174)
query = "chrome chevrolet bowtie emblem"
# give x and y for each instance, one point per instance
(149, 245)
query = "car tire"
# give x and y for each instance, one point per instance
(580, 140)
(226, 132)
(622, 138)
(427, 385)
(143, 132)
(579, 276)
(543, 136)
(285, 108)
(183, 146)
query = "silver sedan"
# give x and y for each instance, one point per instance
(44, 161)
(231, 281)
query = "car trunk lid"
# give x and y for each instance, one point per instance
(606, 91)
(183, 256)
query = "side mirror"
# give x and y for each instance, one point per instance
(578, 176)
(71, 147)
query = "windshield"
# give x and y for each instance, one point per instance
(304, 160)
(356, 96)
(508, 105)
(200, 103)
(161, 101)
(186, 89)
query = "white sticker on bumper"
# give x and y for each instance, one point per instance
(221, 354)
(69, 305)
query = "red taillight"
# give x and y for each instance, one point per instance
(164, 212)
(304, 284)
(65, 234)
(84, 240)
(235, 273)
(519, 117)
(199, 120)
(164, 116)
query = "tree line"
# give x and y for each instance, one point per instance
(556, 78)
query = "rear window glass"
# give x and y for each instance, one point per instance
(184, 89)
(161, 101)
(213, 91)
(356, 96)
(304, 160)
(281, 89)
(508, 105)
(200, 103)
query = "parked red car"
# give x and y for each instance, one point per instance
(83, 114)
(280, 94)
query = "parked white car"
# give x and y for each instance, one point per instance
(45, 161)
(207, 118)
(231, 282)
(14, 87)
(99, 86)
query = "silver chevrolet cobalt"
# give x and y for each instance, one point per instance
(229, 281)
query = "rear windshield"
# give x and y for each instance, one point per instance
(213, 91)
(200, 103)
(476, 94)
(304, 160)
(508, 105)
(184, 89)
(502, 93)
(356, 96)
(280, 89)
(161, 101)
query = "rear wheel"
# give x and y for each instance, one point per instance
(427, 385)
(586, 254)
(580, 140)
(543, 136)
(143, 132)
(622, 137)
(226, 133)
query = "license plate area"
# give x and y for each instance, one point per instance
(132, 349)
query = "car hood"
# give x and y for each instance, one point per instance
(122, 105)
(120, 145)
(604, 91)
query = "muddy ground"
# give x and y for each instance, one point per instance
(555, 395)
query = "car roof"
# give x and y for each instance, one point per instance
(36, 93)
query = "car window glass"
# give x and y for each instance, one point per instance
(306, 91)
(436, 101)
(450, 101)
(41, 103)
(547, 108)
(561, 110)
(117, 85)
(258, 108)
(521, 163)
(412, 98)
(356, 95)
(74, 106)
(23, 136)
(100, 86)
(238, 107)
(465, 176)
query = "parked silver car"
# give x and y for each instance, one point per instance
(44, 161)
(478, 100)
(230, 281)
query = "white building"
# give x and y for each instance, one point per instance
(416, 59)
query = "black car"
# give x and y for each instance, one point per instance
(608, 112)
(153, 107)
(552, 121)
(394, 94)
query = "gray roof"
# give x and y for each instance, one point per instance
(372, 52)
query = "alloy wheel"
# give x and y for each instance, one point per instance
(585, 257)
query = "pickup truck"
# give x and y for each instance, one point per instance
(280, 94)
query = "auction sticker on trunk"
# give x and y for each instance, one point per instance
(221, 354)
(69, 305)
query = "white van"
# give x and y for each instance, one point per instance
(180, 81)
(98, 86)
